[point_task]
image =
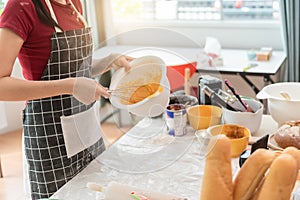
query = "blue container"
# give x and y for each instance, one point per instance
(176, 119)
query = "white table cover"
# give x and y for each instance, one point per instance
(159, 170)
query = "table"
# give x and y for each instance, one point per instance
(146, 157)
(234, 60)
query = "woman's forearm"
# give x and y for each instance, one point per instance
(12, 89)
(99, 65)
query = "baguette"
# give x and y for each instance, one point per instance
(280, 180)
(251, 174)
(293, 151)
(217, 179)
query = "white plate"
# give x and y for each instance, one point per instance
(273, 144)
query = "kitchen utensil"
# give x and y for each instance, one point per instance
(144, 70)
(238, 144)
(187, 100)
(216, 98)
(243, 103)
(136, 93)
(251, 120)
(119, 191)
(207, 85)
(279, 108)
(176, 119)
(261, 143)
(285, 95)
(203, 116)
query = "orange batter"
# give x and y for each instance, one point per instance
(143, 92)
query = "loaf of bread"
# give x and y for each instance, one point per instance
(280, 180)
(251, 174)
(217, 179)
(288, 135)
(265, 174)
(293, 151)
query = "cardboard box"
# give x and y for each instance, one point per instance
(263, 56)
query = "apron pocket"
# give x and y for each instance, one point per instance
(80, 131)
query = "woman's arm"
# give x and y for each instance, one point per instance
(12, 89)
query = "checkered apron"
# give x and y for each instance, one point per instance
(45, 150)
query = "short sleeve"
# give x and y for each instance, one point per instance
(18, 16)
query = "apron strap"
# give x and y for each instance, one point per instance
(54, 16)
(78, 14)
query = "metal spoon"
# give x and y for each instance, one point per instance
(285, 95)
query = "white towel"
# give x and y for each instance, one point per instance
(3, 122)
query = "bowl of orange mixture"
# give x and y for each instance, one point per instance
(204, 116)
(144, 90)
(238, 135)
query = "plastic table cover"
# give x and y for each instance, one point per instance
(148, 158)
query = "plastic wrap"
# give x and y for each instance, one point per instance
(178, 172)
(173, 165)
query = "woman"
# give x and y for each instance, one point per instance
(54, 46)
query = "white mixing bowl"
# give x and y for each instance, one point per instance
(144, 70)
(281, 109)
(250, 120)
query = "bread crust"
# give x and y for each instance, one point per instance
(288, 135)
(293, 151)
(280, 180)
(252, 172)
(217, 171)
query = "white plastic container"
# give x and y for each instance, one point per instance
(250, 120)
(144, 70)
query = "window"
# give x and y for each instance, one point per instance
(2, 3)
(196, 9)
(241, 24)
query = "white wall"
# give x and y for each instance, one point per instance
(13, 110)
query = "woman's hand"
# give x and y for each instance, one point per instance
(113, 61)
(88, 90)
(121, 61)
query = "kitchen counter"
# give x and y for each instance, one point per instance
(147, 157)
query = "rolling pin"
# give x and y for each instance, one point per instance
(116, 190)
(187, 88)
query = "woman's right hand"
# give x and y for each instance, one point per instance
(87, 90)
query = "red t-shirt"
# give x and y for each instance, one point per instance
(21, 17)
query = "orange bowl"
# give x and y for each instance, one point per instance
(204, 116)
(239, 136)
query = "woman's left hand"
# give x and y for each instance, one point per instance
(113, 61)
(121, 61)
